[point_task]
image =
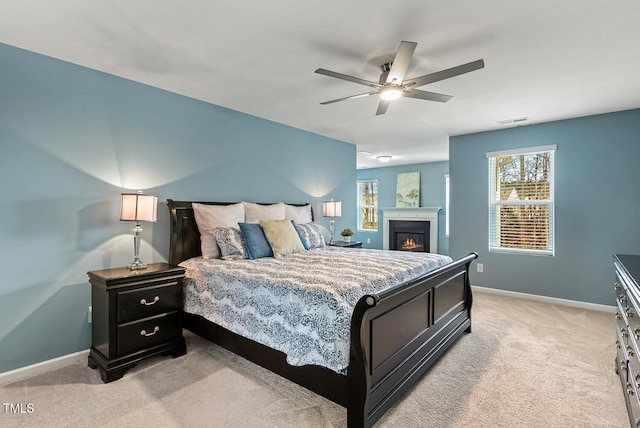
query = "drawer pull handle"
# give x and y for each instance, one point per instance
(155, 300)
(155, 330)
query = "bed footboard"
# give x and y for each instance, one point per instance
(398, 334)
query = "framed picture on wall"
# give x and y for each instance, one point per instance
(408, 190)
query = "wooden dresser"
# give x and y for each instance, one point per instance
(136, 314)
(627, 268)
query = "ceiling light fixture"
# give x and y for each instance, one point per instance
(383, 159)
(391, 93)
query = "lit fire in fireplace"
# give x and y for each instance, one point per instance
(410, 244)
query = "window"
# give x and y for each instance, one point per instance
(368, 205)
(521, 201)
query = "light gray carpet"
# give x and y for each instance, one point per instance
(526, 364)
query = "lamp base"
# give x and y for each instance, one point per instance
(332, 229)
(136, 266)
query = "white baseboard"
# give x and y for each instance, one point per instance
(42, 367)
(545, 299)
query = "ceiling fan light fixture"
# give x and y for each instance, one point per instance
(383, 159)
(391, 93)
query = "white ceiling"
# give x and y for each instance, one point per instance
(545, 60)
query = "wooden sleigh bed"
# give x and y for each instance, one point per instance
(396, 335)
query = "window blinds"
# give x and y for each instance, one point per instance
(521, 199)
(368, 205)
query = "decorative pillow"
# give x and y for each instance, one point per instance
(229, 240)
(255, 241)
(304, 242)
(311, 233)
(208, 217)
(282, 237)
(324, 232)
(300, 215)
(253, 213)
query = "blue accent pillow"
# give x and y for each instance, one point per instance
(304, 241)
(255, 240)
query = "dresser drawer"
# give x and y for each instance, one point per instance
(621, 316)
(145, 302)
(621, 360)
(143, 334)
(632, 388)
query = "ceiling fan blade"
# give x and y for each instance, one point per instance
(401, 62)
(444, 74)
(352, 97)
(424, 95)
(383, 105)
(347, 78)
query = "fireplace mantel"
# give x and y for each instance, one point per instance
(429, 214)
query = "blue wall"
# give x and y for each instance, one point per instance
(597, 205)
(72, 139)
(432, 194)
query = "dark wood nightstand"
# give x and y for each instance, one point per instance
(352, 244)
(135, 314)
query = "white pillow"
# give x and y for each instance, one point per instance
(253, 213)
(208, 217)
(300, 215)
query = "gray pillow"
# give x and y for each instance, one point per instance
(229, 241)
(312, 235)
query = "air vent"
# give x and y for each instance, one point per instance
(508, 121)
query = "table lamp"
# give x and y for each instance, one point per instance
(138, 207)
(332, 209)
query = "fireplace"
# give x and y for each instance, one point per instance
(426, 215)
(409, 235)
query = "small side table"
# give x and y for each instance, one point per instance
(352, 244)
(135, 314)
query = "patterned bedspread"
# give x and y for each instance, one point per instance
(300, 304)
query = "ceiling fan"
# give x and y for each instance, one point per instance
(391, 85)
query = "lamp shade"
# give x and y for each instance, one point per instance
(138, 207)
(332, 208)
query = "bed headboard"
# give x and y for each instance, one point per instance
(184, 238)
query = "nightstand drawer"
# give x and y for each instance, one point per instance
(148, 301)
(143, 334)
